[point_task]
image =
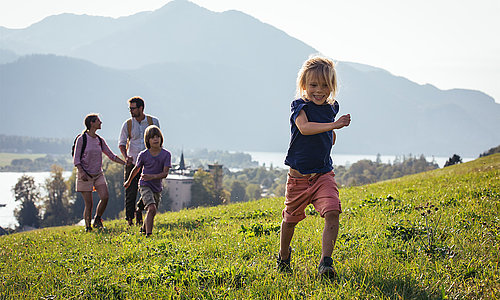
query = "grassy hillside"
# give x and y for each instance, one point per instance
(431, 235)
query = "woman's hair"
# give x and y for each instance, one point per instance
(89, 119)
(150, 132)
(321, 68)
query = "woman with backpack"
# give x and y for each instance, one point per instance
(87, 157)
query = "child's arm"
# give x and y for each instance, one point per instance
(134, 172)
(309, 128)
(161, 175)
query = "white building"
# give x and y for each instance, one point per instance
(179, 190)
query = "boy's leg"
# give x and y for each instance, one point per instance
(286, 234)
(148, 221)
(138, 212)
(330, 233)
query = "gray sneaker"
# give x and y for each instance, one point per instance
(326, 269)
(284, 265)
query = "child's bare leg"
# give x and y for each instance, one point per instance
(148, 221)
(286, 234)
(87, 211)
(330, 233)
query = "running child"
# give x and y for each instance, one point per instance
(311, 179)
(155, 163)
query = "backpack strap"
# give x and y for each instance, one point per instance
(84, 144)
(129, 127)
(129, 130)
(100, 139)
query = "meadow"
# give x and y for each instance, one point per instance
(432, 235)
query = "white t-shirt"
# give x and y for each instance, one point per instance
(137, 136)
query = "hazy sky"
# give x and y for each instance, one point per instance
(448, 43)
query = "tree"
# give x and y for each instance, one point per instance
(114, 178)
(202, 189)
(57, 200)
(238, 193)
(253, 191)
(28, 194)
(455, 159)
(491, 151)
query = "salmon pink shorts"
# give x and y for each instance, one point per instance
(320, 190)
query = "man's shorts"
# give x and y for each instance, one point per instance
(93, 181)
(148, 196)
(320, 190)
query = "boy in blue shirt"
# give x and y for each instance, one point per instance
(311, 179)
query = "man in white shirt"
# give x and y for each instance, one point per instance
(131, 142)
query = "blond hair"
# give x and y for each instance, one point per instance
(317, 67)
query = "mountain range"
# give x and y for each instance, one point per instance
(220, 81)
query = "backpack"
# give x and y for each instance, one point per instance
(84, 144)
(129, 127)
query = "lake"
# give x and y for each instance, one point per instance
(7, 181)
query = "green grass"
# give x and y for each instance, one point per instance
(433, 235)
(6, 158)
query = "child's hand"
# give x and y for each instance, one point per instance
(147, 177)
(343, 121)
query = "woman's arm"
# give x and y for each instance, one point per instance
(309, 128)
(110, 154)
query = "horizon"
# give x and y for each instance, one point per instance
(432, 52)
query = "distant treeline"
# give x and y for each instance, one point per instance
(367, 171)
(491, 151)
(202, 157)
(41, 164)
(24, 144)
(59, 153)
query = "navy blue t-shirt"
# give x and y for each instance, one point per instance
(311, 153)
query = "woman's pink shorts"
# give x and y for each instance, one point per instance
(319, 190)
(94, 181)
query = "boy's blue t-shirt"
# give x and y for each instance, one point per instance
(153, 165)
(311, 153)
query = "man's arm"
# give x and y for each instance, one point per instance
(122, 144)
(128, 159)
